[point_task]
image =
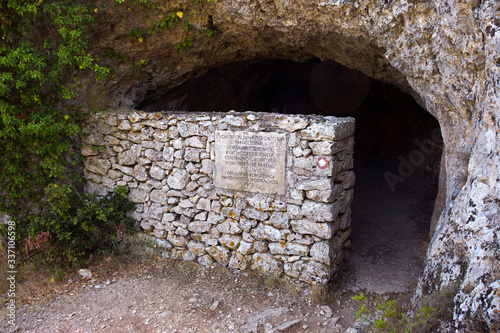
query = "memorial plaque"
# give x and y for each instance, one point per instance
(250, 161)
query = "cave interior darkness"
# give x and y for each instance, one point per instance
(389, 122)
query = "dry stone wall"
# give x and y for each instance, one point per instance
(262, 191)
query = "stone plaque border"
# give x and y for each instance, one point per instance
(251, 161)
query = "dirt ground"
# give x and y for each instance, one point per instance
(389, 236)
(390, 229)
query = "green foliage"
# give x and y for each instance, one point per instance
(168, 21)
(43, 58)
(80, 224)
(389, 316)
(43, 50)
(184, 45)
(210, 33)
(137, 32)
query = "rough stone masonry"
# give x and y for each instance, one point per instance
(261, 191)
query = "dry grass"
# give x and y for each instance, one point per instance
(187, 269)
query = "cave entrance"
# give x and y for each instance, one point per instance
(396, 161)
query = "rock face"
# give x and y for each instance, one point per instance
(444, 52)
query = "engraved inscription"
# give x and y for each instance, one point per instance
(250, 161)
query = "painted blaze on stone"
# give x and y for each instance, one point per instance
(250, 161)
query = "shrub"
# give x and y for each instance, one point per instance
(80, 224)
(389, 316)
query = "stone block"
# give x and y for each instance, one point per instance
(137, 126)
(92, 177)
(196, 142)
(89, 150)
(207, 166)
(134, 137)
(112, 120)
(124, 169)
(220, 254)
(320, 211)
(260, 202)
(137, 116)
(214, 218)
(288, 249)
(196, 248)
(192, 155)
(315, 273)
(98, 189)
(147, 225)
(97, 165)
(157, 173)
(255, 214)
(280, 220)
(161, 135)
(238, 261)
(230, 241)
(336, 129)
(153, 154)
(178, 179)
(310, 166)
(201, 216)
(229, 226)
(95, 139)
(158, 233)
(180, 231)
(345, 219)
(292, 124)
(322, 148)
(344, 234)
(206, 261)
(293, 269)
(168, 154)
(347, 200)
(245, 247)
(310, 227)
(138, 195)
(113, 174)
(266, 263)
(188, 129)
(325, 196)
(247, 224)
(199, 227)
(346, 178)
(140, 173)
(294, 212)
(156, 211)
(267, 232)
(320, 251)
(176, 240)
(247, 237)
(306, 239)
(186, 203)
(147, 133)
(260, 246)
(203, 204)
(231, 212)
(316, 184)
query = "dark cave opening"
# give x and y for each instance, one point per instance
(396, 161)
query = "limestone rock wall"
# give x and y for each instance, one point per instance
(170, 162)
